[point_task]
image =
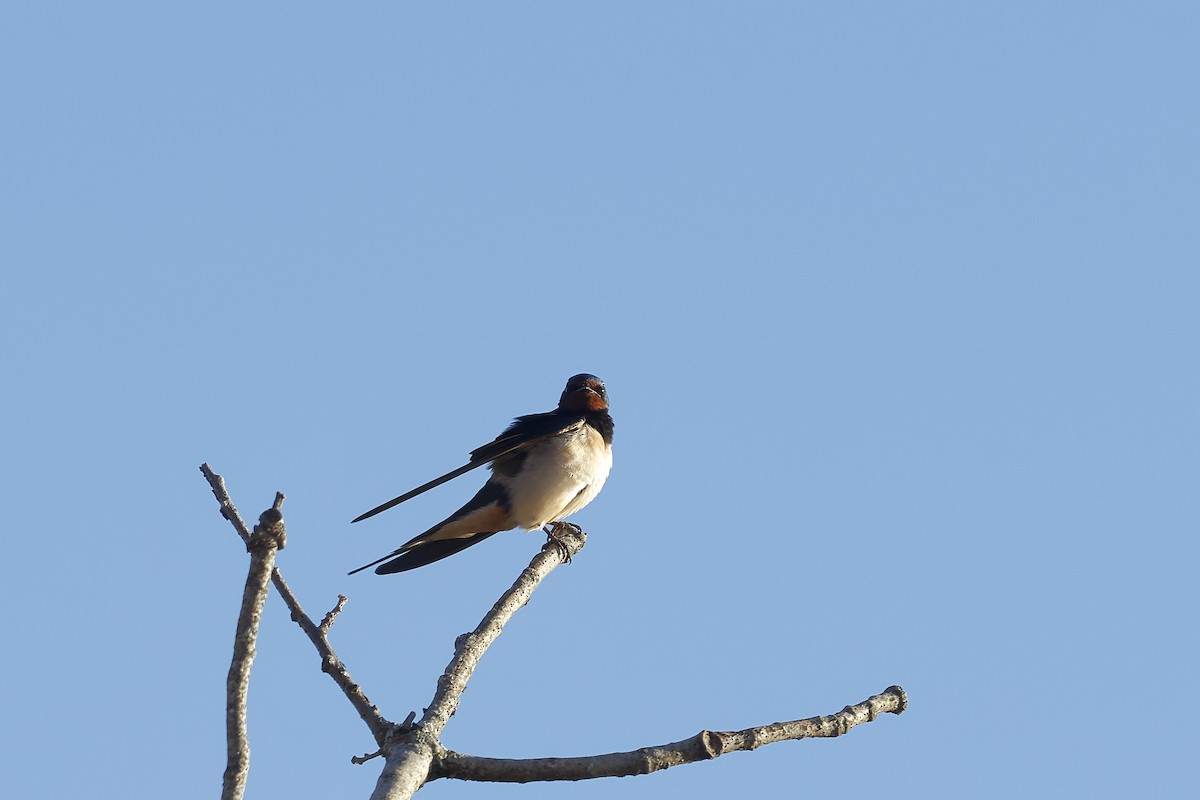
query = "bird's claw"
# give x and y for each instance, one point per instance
(552, 531)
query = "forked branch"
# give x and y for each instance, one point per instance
(317, 634)
(414, 752)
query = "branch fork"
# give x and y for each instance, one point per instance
(412, 749)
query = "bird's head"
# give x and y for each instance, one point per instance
(584, 392)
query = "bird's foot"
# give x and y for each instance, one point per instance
(552, 530)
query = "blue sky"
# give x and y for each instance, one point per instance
(897, 308)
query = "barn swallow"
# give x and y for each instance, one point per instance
(544, 467)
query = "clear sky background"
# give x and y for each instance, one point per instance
(897, 305)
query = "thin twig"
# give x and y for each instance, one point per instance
(228, 510)
(701, 747)
(358, 761)
(330, 663)
(327, 622)
(268, 537)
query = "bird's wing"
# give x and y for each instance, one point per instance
(523, 433)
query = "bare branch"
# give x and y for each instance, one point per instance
(332, 666)
(411, 753)
(470, 647)
(327, 623)
(414, 753)
(268, 537)
(701, 747)
(360, 760)
(406, 768)
(228, 510)
(330, 663)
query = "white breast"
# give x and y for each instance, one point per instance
(559, 476)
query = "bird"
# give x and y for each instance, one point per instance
(544, 467)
